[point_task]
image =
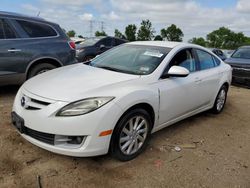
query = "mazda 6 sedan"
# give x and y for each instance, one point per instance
(113, 103)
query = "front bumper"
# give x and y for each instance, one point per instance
(40, 117)
(241, 76)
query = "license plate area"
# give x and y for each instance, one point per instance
(18, 122)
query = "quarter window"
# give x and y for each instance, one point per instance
(35, 30)
(206, 60)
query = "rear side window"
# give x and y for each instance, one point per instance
(35, 30)
(6, 31)
(106, 42)
(206, 60)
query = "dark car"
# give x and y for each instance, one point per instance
(219, 53)
(240, 62)
(92, 47)
(30, 46)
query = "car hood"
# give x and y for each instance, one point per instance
(238, 62)
(75, 82)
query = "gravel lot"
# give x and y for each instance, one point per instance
(215, 152)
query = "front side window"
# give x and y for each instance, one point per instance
(184, 59)
(132, 59)
(6, 31)
(206, 60)
(35, 30)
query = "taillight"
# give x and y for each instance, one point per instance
(72, 45)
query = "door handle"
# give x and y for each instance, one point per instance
(14, 50)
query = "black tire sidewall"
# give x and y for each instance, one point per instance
(114, 146)
(37, 68)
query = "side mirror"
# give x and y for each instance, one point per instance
(102, 46)
(177, 71)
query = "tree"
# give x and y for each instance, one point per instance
(80, 36)
(130, 32)
(71, 33)
(226, 39)
(146, 31)
(158, 37)
(118, 34)
(172, 33)
(100, 33)
(199, 41)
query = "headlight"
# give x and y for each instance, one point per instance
(83, 106)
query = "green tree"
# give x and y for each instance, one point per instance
(130, 32)
(172, 33)
(146, 31)
(100, 33)
(118, 34)
(71, 33)
(226, 39)
(199, 41)
(158, 37)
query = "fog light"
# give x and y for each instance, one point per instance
(68, 141)
(75, 139)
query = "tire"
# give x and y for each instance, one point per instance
(40, 68)
(127, 143)
(220, 100)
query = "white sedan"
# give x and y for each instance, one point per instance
(113, 103)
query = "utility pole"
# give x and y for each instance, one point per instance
(91, 27)
(102, 26)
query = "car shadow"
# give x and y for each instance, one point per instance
(8, 90)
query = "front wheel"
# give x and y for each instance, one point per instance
(131, 135)
(220, 100)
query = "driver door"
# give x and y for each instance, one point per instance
(178, 95)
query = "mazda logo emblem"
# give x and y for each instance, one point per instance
(23, 101)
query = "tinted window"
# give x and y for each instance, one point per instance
(206, 60)
(34, 29)
(5, 30)
(216, 60)
(118, 42)
(184, 59)
(106, 42)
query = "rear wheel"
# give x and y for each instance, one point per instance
(131, 135)
(220, 100)
(40, 68)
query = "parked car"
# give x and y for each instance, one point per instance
(77, 40)
(117, 100)
(240, 62)
(219, 53)
(92, 47)
(30, 46)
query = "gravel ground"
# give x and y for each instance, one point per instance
(215, 152)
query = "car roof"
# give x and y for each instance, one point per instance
(22, 16)
(166, 44)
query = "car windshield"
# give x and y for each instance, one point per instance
(89, 42)
(243, 53)
(131, 59)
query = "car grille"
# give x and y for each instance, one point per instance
(34, 104)
(43, 137)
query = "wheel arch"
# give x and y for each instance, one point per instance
(41, 60)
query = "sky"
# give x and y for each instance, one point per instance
(196, 18)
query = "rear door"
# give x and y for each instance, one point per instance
(208, 76)
(11, 54)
